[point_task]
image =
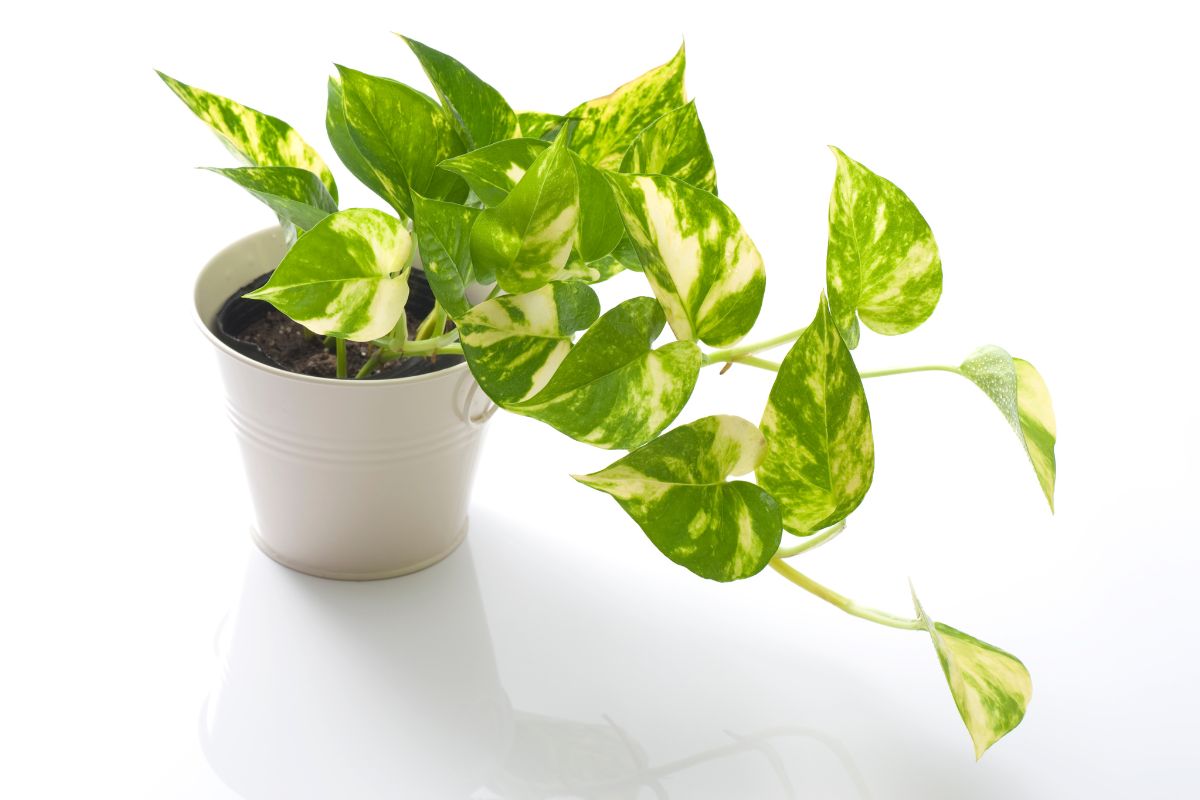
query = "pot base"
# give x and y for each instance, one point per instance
(359, 576)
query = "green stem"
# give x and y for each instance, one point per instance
(844, 603)
(734, 353)
(434, 324)
(812, 542)
(879, 373)
(341, 357)
(370, 366)
(751, 361)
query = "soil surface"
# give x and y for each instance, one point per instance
(257, 330)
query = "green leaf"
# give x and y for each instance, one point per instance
(343, 142)
(296, 195)
(538, 124)
(479, 113)
(882, 262)
(703, 267)
(1022, 397)
(514, 343)
(596, 271)
(260, 139)
(444, 238)
(675, 488)
(493, 171)
(601, 225)
(612, 390)
(348, 276)
(991, 688)
(820, 454)
(609, 124)
(674, 145)
(402, 134)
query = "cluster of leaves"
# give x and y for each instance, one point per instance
(542, 205)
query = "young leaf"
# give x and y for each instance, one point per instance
(601, 226)
(479, 112)
(348, 276)
(527, 238)
(703, 267)
(444, 238)
(675, 488)
(260, 139)
(596, 271)
(538, 124)
(1022, 397)
(493, 171)
(514, 343)
(402, 134)
(674, 145)
(609, 124)
(820, 455)
(991, 688)
(343, 143)
(612, 390)
(882, 262)
(296, 195)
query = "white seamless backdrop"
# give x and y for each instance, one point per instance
(1053, 148)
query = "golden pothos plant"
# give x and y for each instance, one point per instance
(535, 207)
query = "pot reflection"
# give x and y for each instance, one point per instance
(343, 689)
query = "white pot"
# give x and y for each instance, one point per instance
(355, 480)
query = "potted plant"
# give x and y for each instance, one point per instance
(509, 218)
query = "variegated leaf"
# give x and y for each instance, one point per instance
(296, 195)
(514, 343)
(820, 454)
(675, 488)
(597, 271)
(402, 134)
(343, 143)
(991, 688)
(538, 124)
(609, 124)
(882, 262)
(493, 171)
(601, 225)
(674, 145)
(612, 390)
(444, 237)
(348, 276)
(260, 139)
(1022, 397)
(703, 267)
(479, 113)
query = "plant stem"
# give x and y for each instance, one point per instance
(370, 366)
(879, 373)
(341, 357)
(812, 542)
(842, 602)
(733, 353)
(433, 325)
(750, 361)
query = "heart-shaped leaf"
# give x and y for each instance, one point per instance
(402, 134)
(348, 276)
(296, 195)
(882, 263)
(479, 113)
(601, 225)
(609, 124)
(675, 488)
(991, 688)
(514, 343)
(260, 139)
(703, 267)
(674, 145)
(1022, 397)
(493, 171)
(612, 390)
(820, 454)
(444, 237)
(343, 143)
(539, 124)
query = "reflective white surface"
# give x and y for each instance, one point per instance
(148, 651)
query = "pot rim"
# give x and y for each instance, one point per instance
(283, 373)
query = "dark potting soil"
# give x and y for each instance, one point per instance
(257, 330)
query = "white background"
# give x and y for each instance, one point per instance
(1053, 148)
